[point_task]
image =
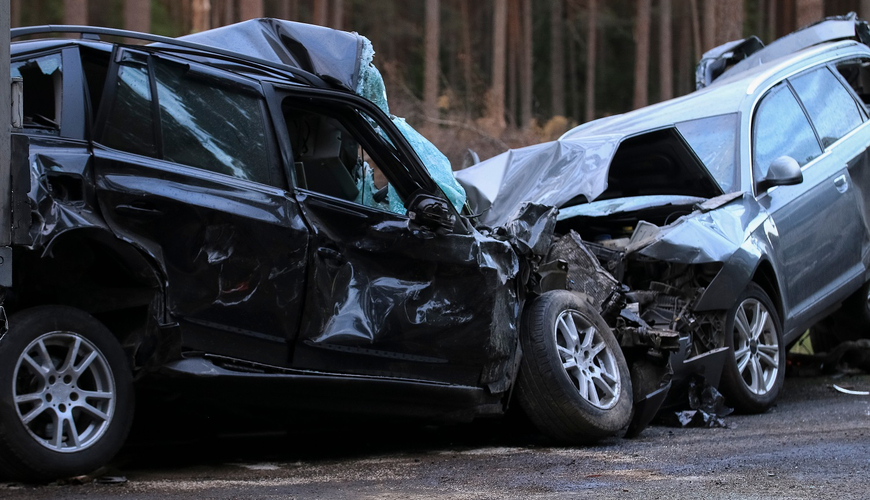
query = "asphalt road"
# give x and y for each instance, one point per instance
(814, 444)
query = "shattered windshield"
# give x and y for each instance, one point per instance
(714, 140)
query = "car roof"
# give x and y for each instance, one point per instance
(726, 95)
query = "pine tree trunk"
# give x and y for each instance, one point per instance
(526, 66)
(433, 38)
(338, 14)
(15, 13)
(708, 32)
(864, 9)
(513, 50)
(499, 35)
(731, 14)
(808, 12)
(250, 9)
(666, 63)
(591, 53)
(771, 20)
(321, 12)
(201, 12)
(137, 15)
(641, 53)
(697, 51)
(467, 68)
(75, 12)
(684, 50)
(557, 58)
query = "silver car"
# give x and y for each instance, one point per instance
(738, 214)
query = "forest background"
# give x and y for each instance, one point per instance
(490, 75)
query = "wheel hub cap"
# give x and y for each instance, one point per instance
(756, 346)
(64, 392)
(587, 360)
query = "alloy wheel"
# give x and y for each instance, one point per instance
(590, 365)
(756, 346)
(64, 391)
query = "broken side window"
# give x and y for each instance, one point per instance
(205, 123)
(831, 108)
(714, 140)
(781, 129)
(331, 160)
(43, 91)
(129, 126)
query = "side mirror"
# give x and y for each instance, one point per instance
(783, 171)
(431, 212)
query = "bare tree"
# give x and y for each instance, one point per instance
(808, 12)
(250, 9)
(641, 53)
(591, 50)
(526, 66)
(666, 64)
(864, 9)
(499, 43)
(557, 58)
(75, 11)
(466, 57)
(696, 29)
(433, 38)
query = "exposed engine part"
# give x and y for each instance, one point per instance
(585, 273)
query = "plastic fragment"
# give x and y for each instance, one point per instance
(850, 391)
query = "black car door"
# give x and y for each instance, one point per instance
(186, 170)
(388, 297)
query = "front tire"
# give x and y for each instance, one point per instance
(574, 382)
(754, 373)
(66, 394)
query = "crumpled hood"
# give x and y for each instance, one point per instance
(551, 174)
(330, 54)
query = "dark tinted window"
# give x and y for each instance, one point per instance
(129, 126)
(43, 91)
(781, 129)
(211, 126)
(831, 108)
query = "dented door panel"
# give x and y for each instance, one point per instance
(389, 299)
(234, 251)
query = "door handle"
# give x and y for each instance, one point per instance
(841, 184)
(138, 209)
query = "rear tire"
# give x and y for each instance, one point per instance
(754, 372)
(574, 383)
(66, 394)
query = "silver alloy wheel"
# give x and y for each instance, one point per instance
(756, 346)
(64, 391)
(590, 365)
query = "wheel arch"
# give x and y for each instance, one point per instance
(765, 277)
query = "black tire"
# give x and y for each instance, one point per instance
(550, 392)
(92, 397)
(758, 346)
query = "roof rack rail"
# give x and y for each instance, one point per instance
(96, 30)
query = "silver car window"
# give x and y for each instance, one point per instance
(714, 140)
(781, 129)
(831, 108)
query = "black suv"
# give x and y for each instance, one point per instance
(205, 215)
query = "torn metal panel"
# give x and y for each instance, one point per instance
(552, 174)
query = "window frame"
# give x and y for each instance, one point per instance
(849, 91)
